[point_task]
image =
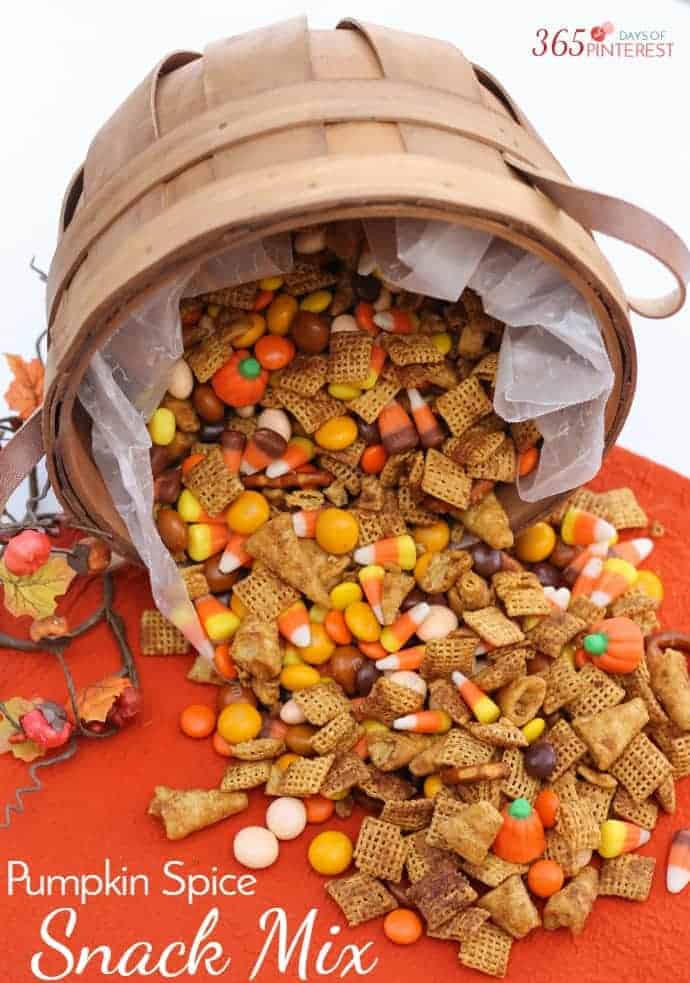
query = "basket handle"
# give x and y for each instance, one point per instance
(20, 454)
(622, 220)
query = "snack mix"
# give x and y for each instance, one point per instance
(328, 470)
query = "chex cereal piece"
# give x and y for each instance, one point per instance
(601, 779)
(160, 636)
(321, 703)
(305, 375)
(572, 861)
(443, 695)
(585, 609)
(525, 434)
(471, 592)
(629, 876)
(577, 825)
(446, 480)
(563, 684)
(489, 521)
(608, 733)
(349, 357)
(509, 665)
(208, 356)
(306, 776)
(361, 898)
(440, 895)
(310, 411)
(396, 586)
(463, 405)
(460, 749)
(598, 691)
(492, 626)
(503, 733)
(444, 568)
(625, 512)
(347, 770)
(390, 750)
(484, 791)
(488, 951)
(412, 814)
(371, 402)
(475, 446)
(523, 603)
(264, 593)
(522, 698)
(555, 631)
(350, 456)
(637, 683)
(507, 582)
(501, 466)
(387, 701)
(444, 656)
(468, 831)
(511, 907)
(242, 296)
(421, 859)
(565, 786)
(518, 784)
(486, 368)
(493, 871)
(589, 501)
(570, 907)
(212, 483)
(666, 795)
(411, 511)
(417, 349)
(598, 799)
(260, 749)
(567, 745)
(642, 768)
(643, 813)
(249, 774)
(387, 787)
(344, 476)
(307, 277)
(460, 927)
(341, 734)
(370, 527)
(380, 849)
(679, 755)
(195, 581)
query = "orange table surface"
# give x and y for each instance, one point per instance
(94, 807)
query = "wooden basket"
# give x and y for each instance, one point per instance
(285, 127)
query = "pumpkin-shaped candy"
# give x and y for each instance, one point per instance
(241, 381)
(520, 839)
(614, 645)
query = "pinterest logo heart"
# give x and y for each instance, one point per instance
(599, 33)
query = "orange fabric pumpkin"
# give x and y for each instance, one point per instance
(614, 645)
(521, 837)
(241, 381)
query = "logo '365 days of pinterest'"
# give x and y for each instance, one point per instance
(602, 41)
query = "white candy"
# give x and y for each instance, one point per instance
(246, 411)
(255, 847)
(439, 622)
(343, 323)
(286, 817)
(276, 420)
(404, 677)
(292, 713)
(310, 240)
(181, 381)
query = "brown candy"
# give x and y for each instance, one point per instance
(166, 487)
(343, 667)
(486, 561)
(540, 759)
(562, 554)
(369, 432)
(210, 433)
(218, 581)
(232, 440)
(298, 739)
(172, 529)
(180, 445)
(206, 403)
(547, 574)
(160, 459)
(234, 692)
(367, 674)
(310, 332)
(271, 443)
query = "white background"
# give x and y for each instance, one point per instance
(618, 125)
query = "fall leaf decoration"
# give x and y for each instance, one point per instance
(95, 702)
(25, 750)
(25, 393)
(35, 593)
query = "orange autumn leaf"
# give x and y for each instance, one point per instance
(25, 393)
(95, 702)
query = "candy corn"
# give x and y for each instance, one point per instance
(232, 444)
(256, 457)
(571, 572)
(376, 361)
(234, 555)
(619, 837)
(588, 577)
(404, 627)
(481, 705)
(184, 617)
(615, 579)
(304, 523)
(634, 550)
(424, 722)
(299, 451)
(206, 539)
(372, 650)
(396, 321)
(220, 623)
(678, 869)
(371, 579)
(294, 625)
(189, 507)
(366, 263)
(190, 462)
(428, 427)
(411, 659)
(398, 551)
(398, 433)
(580, 528)
(559, 599)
